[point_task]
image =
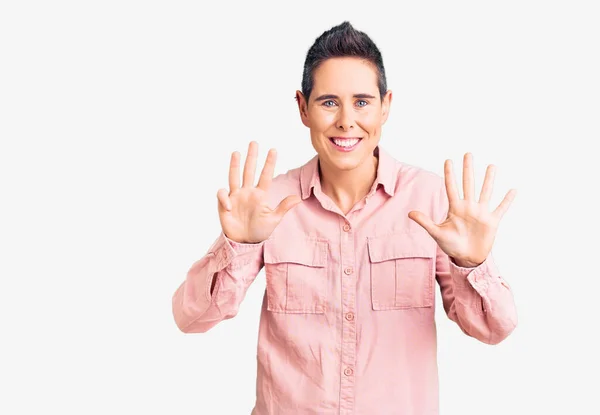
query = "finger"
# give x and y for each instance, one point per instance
(504, 205)
(468, 182)
(234, 171)
(488, 184)
(425, 222)
(224, 201)
(250, 165)
(451, 189)
(286, 204)
(267, 172)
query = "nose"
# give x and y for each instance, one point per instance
(345, 120)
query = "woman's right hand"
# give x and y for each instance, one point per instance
(243, 211)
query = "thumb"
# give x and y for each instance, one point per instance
(286, 204)
(425, 222)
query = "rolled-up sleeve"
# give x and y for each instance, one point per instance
(478, 299)
(232, 267)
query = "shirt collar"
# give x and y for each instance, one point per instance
(386, 173)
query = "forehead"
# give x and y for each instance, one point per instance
(345, 75)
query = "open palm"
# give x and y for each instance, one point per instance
(468, 232)
(244, 211)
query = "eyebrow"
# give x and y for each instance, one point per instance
(331, 96)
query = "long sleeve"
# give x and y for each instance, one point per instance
(478, 299)
(233, 267)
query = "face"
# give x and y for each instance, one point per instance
(344, 112)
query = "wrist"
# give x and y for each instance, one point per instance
(466, 263)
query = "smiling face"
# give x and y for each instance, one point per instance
(344, 112)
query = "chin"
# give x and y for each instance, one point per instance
(345, 162)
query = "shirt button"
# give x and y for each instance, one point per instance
(348, 271)
(346, 227)
(348, 372)
(350, 316)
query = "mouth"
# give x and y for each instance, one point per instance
(345, 144)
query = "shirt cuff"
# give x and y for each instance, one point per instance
(226, 250)
(479, 277)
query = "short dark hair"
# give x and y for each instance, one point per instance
(342, 40)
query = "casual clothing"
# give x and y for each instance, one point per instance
(347, 321)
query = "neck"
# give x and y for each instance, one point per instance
(348, 187)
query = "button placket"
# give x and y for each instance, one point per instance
(348, 318)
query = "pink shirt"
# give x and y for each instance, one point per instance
(347, 321)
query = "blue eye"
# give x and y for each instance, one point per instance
(328, 101)
(365, 103)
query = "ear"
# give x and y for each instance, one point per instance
(385, 106)
(302, 108)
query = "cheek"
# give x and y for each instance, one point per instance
(370, 122)
(323, 121)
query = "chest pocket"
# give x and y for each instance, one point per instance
(402, 271)
(296, 273)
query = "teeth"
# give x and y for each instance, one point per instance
(345, 143)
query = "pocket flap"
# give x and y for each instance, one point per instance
(311, 252)
(400, 245)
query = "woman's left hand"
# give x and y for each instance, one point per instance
(468, 233)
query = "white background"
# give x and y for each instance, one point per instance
(117, 120)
